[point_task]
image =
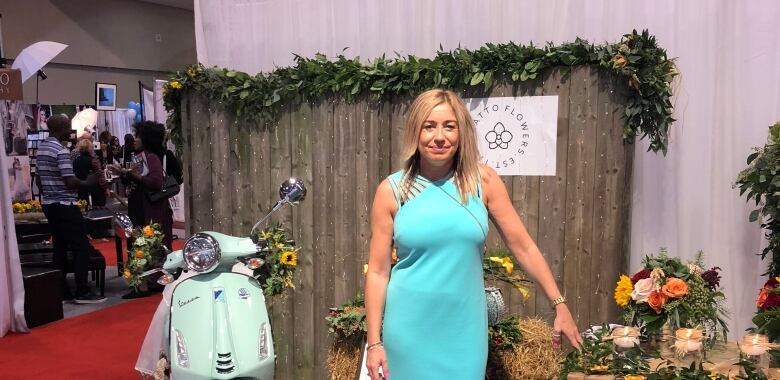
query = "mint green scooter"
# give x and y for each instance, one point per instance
(218, 322)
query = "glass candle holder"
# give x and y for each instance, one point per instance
(754, 347)
(688, 342)
(625, 337)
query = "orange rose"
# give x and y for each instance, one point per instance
(762, 297)
(139, 254)
(675, 288)
(656, 300)
(148, 231)
(620, 61)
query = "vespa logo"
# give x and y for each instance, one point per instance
(187, 302)
(243, 293)
(219, 294)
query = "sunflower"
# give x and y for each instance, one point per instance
(139, 254)
(623, 290)
(148, 231)
(289, 258)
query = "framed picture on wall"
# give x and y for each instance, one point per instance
(105, 96)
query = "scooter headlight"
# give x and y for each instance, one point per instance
(201, 252)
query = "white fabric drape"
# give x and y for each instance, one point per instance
(118, 122)
(148, 107)
(11, 284)
(728, 53)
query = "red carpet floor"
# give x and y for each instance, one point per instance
(108, 249)
(100, 345)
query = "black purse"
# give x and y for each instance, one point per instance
(169, 188)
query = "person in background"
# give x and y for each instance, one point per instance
(116, 150)
(85, 164)
(128, 149)
(145, 174)
(58, 186)
(104, 154)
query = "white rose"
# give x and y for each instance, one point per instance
(642, 290)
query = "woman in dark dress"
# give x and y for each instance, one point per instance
(146, 173)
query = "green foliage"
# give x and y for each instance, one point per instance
(768, 322)
(761, 181)
(636, 59)
(281, 262)
(597, 356)
(146, 253)
(695, 371)
(505, 335)
(500, 265)
(348, 321)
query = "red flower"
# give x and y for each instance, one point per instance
(641, 275)
(712, 278)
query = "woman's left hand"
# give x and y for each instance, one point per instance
(564, 325)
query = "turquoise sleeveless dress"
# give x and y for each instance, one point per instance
(435, 319)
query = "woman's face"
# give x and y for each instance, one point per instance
(439, 137)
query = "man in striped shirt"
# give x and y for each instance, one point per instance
(59, 188)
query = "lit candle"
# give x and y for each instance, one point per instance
(625, 337)
(687, 340)
(754, 344)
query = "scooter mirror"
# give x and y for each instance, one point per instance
(123, 227)
(292, 191)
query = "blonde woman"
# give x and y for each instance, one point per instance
(427, 317)
(85, 163)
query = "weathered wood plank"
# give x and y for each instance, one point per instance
(553, 202)
(240, 167)
(222, 177)
(282, 321)
(398, 110)
(579, 192)
(186, 134)
(323, 244)
(202, 192)
(344, 202)
(303, 223)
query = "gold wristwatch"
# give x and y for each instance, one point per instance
(558, 301)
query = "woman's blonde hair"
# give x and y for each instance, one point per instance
(467, 172)
(84, 145)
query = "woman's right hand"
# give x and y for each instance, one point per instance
(376, 359)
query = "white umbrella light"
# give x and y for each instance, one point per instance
(34, 57)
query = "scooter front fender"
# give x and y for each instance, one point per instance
(219, 329)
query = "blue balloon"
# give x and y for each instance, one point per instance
(132, 104)
(138, 117)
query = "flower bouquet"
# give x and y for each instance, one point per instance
(666, 291)
(767, 318)
(147, 252)
(27, 207)
(278, 272)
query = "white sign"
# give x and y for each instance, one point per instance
(516, 136)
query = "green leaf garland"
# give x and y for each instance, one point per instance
(257, 99)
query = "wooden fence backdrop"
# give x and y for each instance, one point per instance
(579, 217)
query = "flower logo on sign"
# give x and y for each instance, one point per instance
(498, 137)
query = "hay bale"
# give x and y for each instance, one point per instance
(344, 358)
(533, 358)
